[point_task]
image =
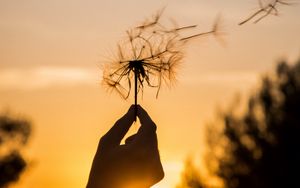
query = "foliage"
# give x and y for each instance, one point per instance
(14, 134)
(190, 176)
(260, 147)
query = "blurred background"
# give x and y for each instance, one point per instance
(50, 73)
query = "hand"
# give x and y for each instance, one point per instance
(136, 164)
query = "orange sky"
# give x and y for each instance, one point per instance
(50, 52)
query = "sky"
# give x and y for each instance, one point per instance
(50, 72)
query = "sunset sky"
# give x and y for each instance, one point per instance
(50, 72)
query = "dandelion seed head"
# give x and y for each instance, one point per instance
(149, 55)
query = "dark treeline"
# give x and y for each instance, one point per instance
(259, 146)
(14, 134)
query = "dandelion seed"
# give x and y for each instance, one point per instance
(266, 9)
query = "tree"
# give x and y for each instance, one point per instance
(190, 177)
(260, 147)
(14, 134)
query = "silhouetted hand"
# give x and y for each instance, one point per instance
(136, 164)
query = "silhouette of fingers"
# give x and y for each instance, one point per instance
(130, 139)
(146, 141)
(114, 136)
(146, 134)
(146, 122)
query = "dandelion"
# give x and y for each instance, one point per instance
(149, 55)
(266, 9)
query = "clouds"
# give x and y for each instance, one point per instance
(45, 77)
(223, 78)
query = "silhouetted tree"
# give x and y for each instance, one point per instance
(259, 148)
(14, 134)
(190, 176)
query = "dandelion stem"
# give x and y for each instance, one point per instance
(135, 92)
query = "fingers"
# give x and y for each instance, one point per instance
(146, 135)
(146, 122)
(130, 139)
(114, 136)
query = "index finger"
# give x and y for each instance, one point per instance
(114, 136)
